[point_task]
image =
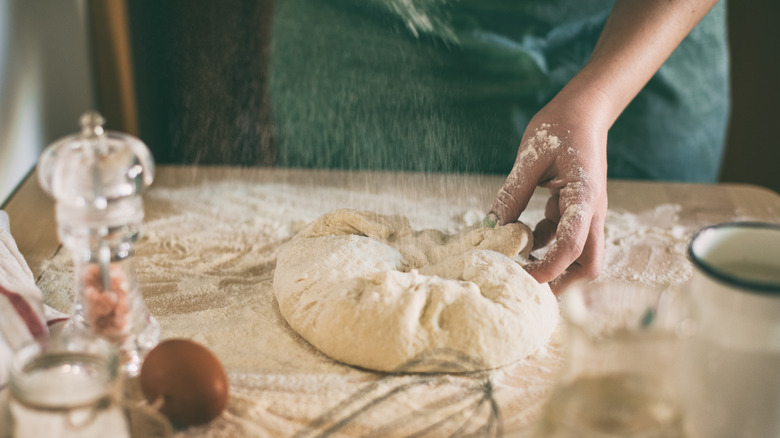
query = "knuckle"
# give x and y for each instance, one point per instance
(573, 250)
(590, 271)
(505, 197)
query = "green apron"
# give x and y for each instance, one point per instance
(449, 86)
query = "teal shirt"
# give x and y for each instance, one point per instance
(449, 86)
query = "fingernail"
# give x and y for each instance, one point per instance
(490, 221)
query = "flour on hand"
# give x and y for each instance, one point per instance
(367, 290)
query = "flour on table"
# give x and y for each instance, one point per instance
(649, 247)
(206, 261)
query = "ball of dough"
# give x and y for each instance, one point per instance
(367, 290)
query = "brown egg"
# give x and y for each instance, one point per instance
(188, 377)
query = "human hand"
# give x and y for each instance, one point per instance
(563, 149)
(564, 145)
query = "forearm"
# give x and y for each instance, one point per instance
(637, 39)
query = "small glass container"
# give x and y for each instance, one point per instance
(730, 369)
(617, 380)
(96, 178)
(67, 387)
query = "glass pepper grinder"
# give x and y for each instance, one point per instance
(96, 179)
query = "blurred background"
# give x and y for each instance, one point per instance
(45, 80)
(59, 58)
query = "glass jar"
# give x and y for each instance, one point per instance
(730, 369)
(617, 380)
(67, 386)
(97, 178)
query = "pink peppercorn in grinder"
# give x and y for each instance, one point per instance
(96, 178)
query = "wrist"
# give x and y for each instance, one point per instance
(589, 101)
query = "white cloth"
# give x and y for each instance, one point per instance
(5, 224)
(22, 315)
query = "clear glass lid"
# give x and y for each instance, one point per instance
(95, 167)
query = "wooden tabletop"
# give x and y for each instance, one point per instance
(280, 384)
(33, 225)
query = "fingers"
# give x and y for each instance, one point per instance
(518, 187)
(578, 250)
(544, 232)
(513, 196)
(588, 265)
(572, 234)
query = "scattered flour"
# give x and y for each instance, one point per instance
(540, 143)
(206, 262)
(649, 247)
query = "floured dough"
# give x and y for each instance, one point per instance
(367, 290)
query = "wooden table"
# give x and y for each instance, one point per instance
(261, 402)
(33, 225)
